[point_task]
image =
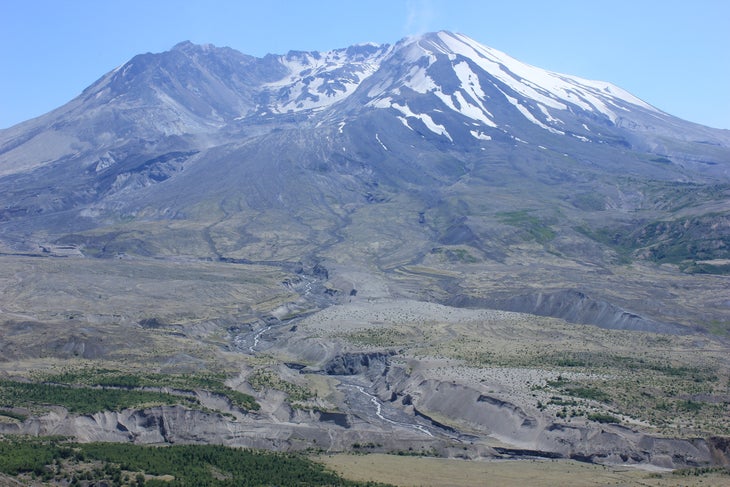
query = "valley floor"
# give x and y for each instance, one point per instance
(263, 356)
(406, 471)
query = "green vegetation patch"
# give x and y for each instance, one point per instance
(701, 471)
(534, 227)
(601, 360)
(13, 415)
(697, 244)
(265, 379)
(668, 398)
(720, 328)
(674, 196)
(106, 378)
(706, 267)
(603, 418)
(53, 459)
(81, 400)
(589, 201)
(455, 254)
(31, 455)
(383, 337)
(588, 393)
(583, 392)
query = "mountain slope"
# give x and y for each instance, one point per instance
(484, 153)
(390, 245)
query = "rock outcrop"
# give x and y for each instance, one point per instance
(572, 306)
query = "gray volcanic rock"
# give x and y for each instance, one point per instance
(479, 414)
(572, 306)
(358, 363)
(176, 424)
(158, 135)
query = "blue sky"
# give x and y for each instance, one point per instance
(674, 54)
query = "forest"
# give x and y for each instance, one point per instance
(57, 460)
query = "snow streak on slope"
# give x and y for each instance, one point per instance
(551, 89)
(318, 80)
(447, 72)
(472, 88)
(538, 95)
(423, 117)
(436, 80)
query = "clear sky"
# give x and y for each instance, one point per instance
(674, 54)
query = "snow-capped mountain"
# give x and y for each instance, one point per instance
(480, 76)
(314, 81)
(438, 119)
(195, 211)
(447, 84)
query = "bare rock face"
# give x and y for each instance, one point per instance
(158, 425)
(358, 363)
(720, 448)
(473, 412)
(575, 307)
(452, 412)
(177, 424)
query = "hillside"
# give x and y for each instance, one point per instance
(428, 246)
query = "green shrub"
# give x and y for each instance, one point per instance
(603, 418)
(199, 465)
(81, 400)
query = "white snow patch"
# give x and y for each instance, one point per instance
(551, 89)
(470, 84)
(433, 126)
(529, 116)
(384, 102)
(425, 118)
(473, 111)
(446, 99)
(549, 117)
(380, 142)
(505, 68)
(419, 81)
(317, 80)
(404, 121)
(403, 109)
(480, 135)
